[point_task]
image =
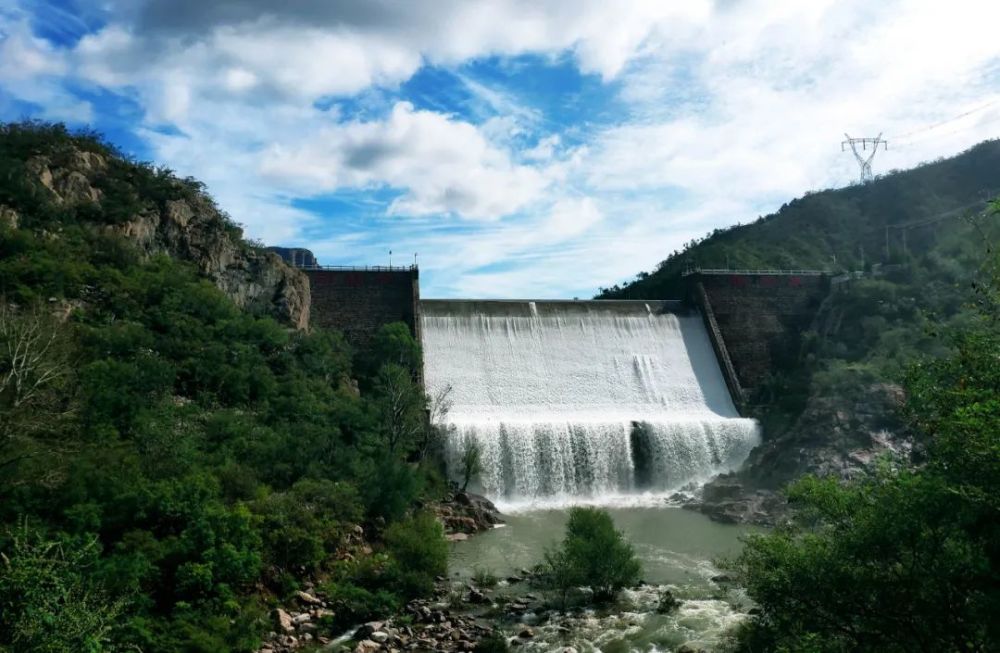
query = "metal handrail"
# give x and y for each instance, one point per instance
(813, 273)
(360, 268)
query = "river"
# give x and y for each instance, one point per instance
(676, 547)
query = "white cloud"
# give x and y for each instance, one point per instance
(30, 68)
(443, 165)
(726, 109)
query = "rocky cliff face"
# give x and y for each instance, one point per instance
(834, 436)
(190, 228)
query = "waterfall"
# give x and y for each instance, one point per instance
(581, 400)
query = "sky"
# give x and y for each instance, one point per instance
(533, 149)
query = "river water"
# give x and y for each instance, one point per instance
(677, 549)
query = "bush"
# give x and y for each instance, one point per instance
(393, 344)
(484, 577)
(352, 604)
(303, 526)
(46, 604)
(418, 551)
(493, 643)
(593, 554)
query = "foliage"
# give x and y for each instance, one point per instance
(210, 455)
(47, 602)
(905, 559)
(483, 577)
(35, 396)
(594, 554)
(492, 643)
(418, 552)
(353, 604)
(392, 345)
(472, 463)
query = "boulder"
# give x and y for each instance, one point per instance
(8, 217)
(284, 621)
(307, 598)
(365, 631)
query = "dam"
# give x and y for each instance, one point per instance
(573, 401)
(581, 400)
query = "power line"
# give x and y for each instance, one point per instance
(945, 122)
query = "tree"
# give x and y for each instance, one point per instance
(471, 461)
(401, 408)
(34, 374)
(593, 554)
(436, 430)
(393, 344)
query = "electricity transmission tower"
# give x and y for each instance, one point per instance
(865, 161)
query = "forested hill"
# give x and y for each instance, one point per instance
(177, 454)
(842, 229)
(833, 405)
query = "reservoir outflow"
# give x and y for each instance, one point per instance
(581, 400)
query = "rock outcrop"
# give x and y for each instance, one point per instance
(465, 513)
(8, 217)
(833, 436)
(188, 227)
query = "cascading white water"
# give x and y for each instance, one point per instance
(581, 400)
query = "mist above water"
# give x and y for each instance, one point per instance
(602, 401)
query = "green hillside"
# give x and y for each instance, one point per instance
(844, 229)
(171, 464)
(841, 392)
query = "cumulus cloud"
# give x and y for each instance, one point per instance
(30, 70)
(721, 111)
(442, 165)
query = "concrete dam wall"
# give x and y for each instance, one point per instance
(600, 400)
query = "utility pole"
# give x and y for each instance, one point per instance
(864, 160)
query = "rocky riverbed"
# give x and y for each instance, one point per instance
(687, 605)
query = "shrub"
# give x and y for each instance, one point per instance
(46, 604)
(493, 643)
(418, 551)
(593, 554)
(352, 604)
(484, 577)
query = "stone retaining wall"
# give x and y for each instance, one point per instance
(359, 302)
(761, 317)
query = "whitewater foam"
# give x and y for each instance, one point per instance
(600, 401)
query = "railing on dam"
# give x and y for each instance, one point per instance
(789, 273)
(360, 268)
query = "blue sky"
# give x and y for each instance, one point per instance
(521, 149)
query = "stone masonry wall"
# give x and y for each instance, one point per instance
(359, 302)
(761, 317)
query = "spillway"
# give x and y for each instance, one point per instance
(581, 400)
